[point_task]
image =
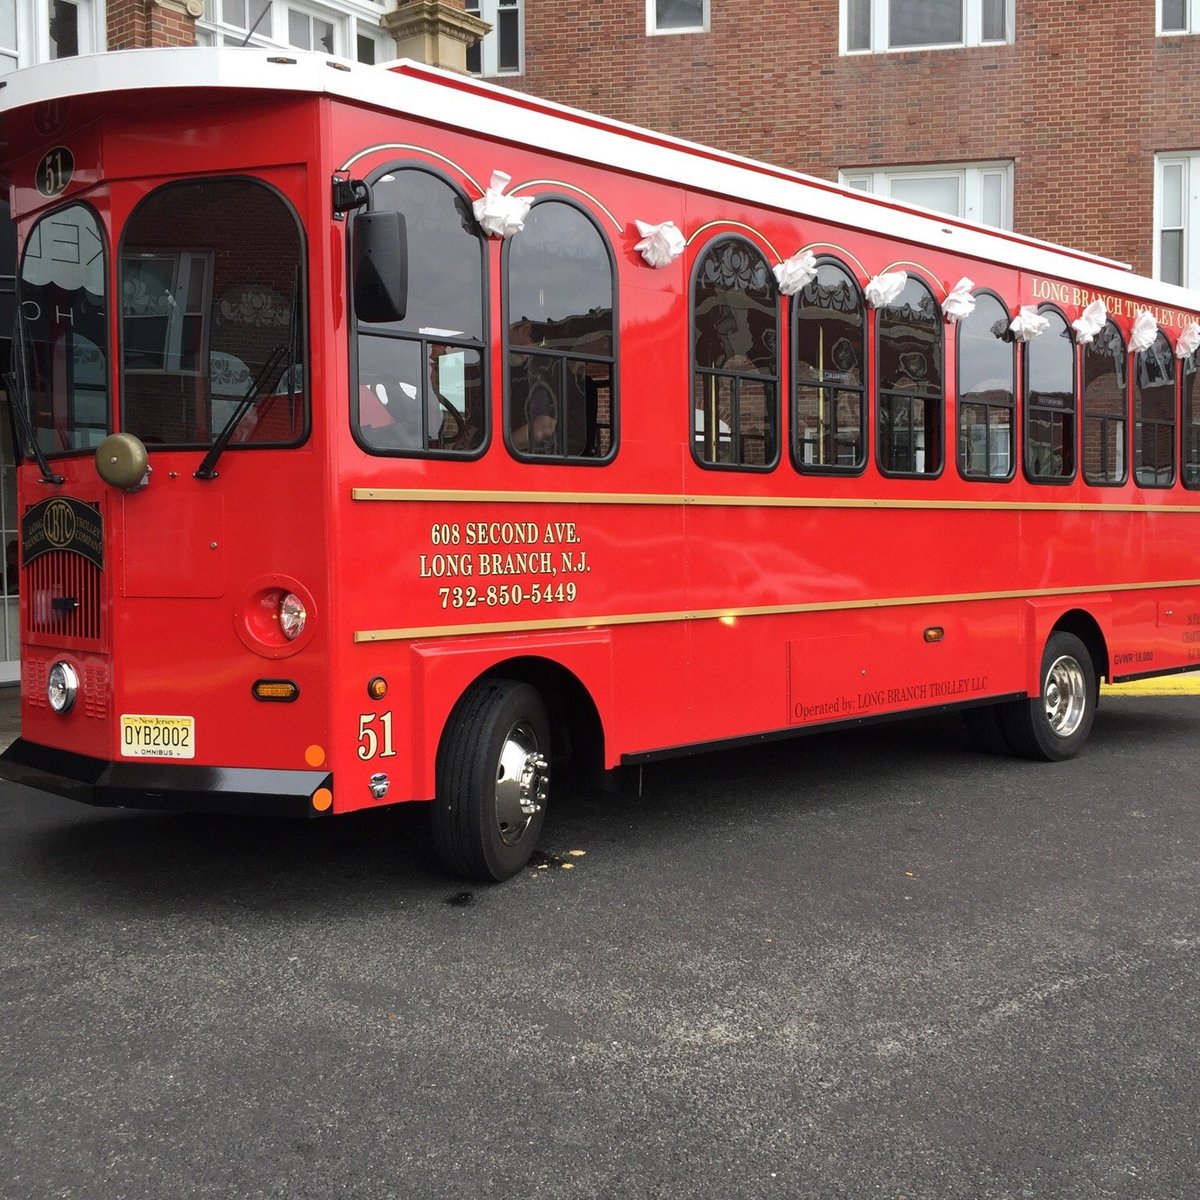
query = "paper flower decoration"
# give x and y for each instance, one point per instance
(1027, 324)
(1145, 330)
(498, 214)
(796, 273)
(1090, 322)
(661, 244)
(1189, 341)
(883, 289)
(959, 302)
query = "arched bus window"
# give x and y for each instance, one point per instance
(419, 382)
(60, 352)
(1050, 402)
(559, 295)
(1154, 414)
(987, 391)
(212, 319)
(909, 374)
(1105, 407)
(1191, 422)
(735, 358)
(829, 372)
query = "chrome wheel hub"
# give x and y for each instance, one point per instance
(522, 783)
(1065, 696)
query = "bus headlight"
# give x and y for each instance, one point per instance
(292, 616)
(62, 686)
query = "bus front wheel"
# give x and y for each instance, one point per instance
(1054, 725)
(493, 778)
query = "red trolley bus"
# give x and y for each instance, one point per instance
(389, 436)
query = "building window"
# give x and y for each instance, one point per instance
(1105, 407)
(559, 284)
(1176, 213)
(735, 364)
(1050, 402)
(1179, 16)
(980, 192)
(1154, 415)
(502, 51)
(829, 344)
(350, 30)
(987, 391)
(34, 31)
(421, 381)
(909, 373)
(876, 26)
(676, 16)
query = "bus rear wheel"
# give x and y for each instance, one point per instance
(493, 779)
(1054, 726)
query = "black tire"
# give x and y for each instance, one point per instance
(1054, 725)
(493, 766)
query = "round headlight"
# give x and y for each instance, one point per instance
(292, 616)
(62, 686)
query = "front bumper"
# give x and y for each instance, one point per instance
(165, 786)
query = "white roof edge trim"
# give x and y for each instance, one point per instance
(424, 92)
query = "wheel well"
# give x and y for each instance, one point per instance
(1085, 627)
(576, 730)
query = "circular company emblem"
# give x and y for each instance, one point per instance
(59, 524)
(55, 170)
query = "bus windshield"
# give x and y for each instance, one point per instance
(211, 287)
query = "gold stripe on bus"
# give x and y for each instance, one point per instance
(733, 614)
(455, 496)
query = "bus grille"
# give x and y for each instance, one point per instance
(64, 592)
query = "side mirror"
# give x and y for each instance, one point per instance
(380, 258)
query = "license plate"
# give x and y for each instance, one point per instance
(145, 736)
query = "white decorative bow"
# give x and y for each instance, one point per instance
(1090, 322)
(1027, 324)
(883, 289)
(959, 302)
(498, 214)
(796, 273)
(1145, 330)
(661, 244)
(1189, 341)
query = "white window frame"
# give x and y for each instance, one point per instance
(351, 19)
(33, 30)
(972, 32)
(1191, 19)
(1190, 206)
(652, 29)
(971, 178)
(489, 45)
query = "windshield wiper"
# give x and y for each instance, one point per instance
(273, 366)
(281, 360)
(18, 406)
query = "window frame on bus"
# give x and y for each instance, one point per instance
(107, 350)
(1161, 344)
(563, 357)
(695, 371)
(961, 402)
(424, 340)
(1029, 407)
(1187, 368)
(302, 352)
(1110, 329)
(884, 392)
(796, 382)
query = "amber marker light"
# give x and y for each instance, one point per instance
(322, 799)
(934, 633)
(377, 688)
(282, 691)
